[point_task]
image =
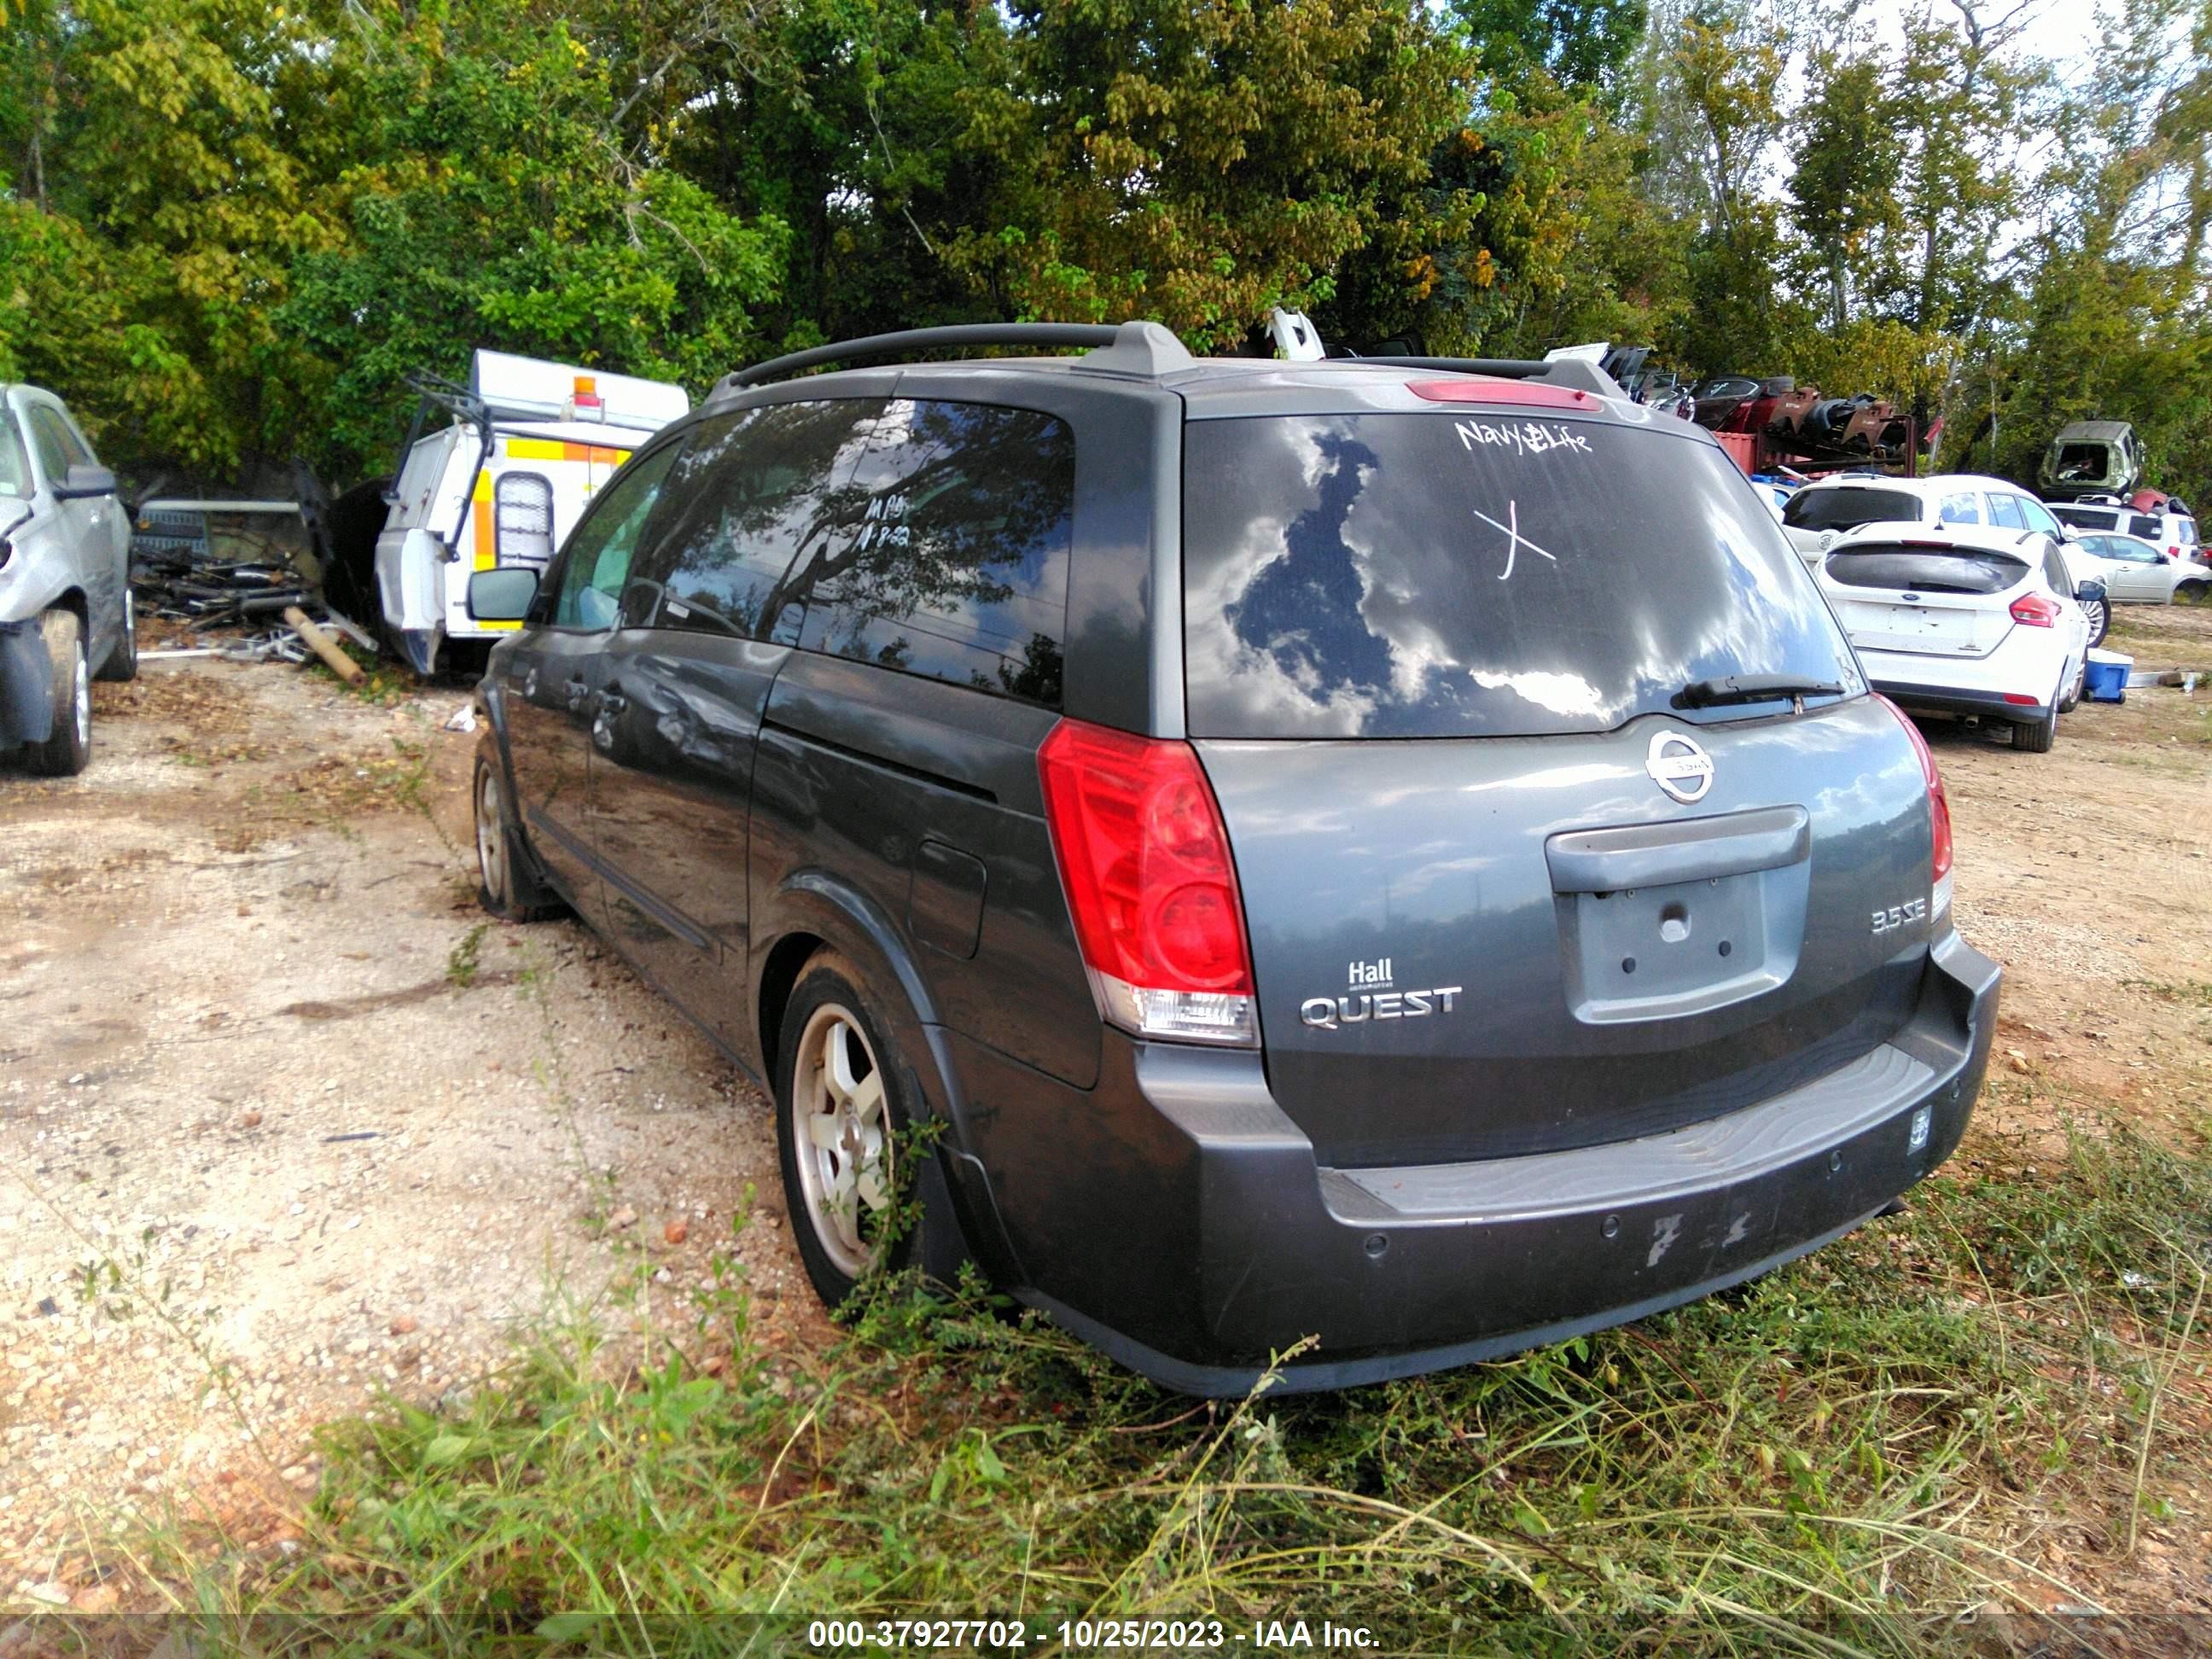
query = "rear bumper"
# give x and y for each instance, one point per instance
(1979, 686)
(1192, 1234)
(1955, 700)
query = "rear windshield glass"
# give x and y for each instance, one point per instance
(1438, 575)
(1925, 569)
(2086, 517)
(1847, 510)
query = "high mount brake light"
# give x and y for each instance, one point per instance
(1144, 858)
(1939, 806)
(1487, 389)
(2034, 611)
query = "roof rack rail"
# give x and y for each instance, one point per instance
(1582, 375)
(911, 341)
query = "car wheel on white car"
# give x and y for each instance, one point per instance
(2036, 737)
(2099, 613)
(2193, 592)
(69, 744)
(122, 664)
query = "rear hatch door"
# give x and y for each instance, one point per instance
(1511, 884)
(1927, 598)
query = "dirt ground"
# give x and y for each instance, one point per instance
(283, 1122)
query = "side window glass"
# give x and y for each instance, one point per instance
(2005, 510)
(959, 570)
(51, 440)
(595, 565)
(15, 462)
(2038, 515)
(522, 520)
(2056, 572)
(2142, 524)
(1958, 509)
(757, 499)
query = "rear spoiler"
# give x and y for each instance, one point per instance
(1574, 373)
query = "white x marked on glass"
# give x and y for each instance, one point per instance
(1514, 541)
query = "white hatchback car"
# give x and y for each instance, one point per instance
(1976, 622)
(1818, 514)
(2172, 533)
(2135, 572)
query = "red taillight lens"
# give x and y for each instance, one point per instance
(1939, 803)
(1144, 860)
(2035, 611)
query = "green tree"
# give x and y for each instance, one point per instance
(505, 186)
(1198, 162)
(1583, 45)
(1847, 148)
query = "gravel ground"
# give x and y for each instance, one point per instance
(283, 1122)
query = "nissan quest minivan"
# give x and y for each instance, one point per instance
(1246, 850)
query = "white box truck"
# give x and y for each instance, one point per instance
(524, 447)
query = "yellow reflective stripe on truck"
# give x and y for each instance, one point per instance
(480, 510)
(546, 449)
(486, 549)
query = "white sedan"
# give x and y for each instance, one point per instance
(1970, 621)
(2135, 572)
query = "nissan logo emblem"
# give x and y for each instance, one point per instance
(1680, 765)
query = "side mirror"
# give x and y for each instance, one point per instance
(502, 595)
(2089, 591)
(84, 481)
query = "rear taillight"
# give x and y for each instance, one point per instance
(1939, 811)
(2034, 611)
(1143, 858)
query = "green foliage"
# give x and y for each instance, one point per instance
(492, 200)
(1199, 163)
(229, 231)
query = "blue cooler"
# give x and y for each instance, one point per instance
(2106, 680)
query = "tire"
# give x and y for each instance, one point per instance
(2072, 700)
(2100, 613)
(508, 882)
(844, 1106)
(69, 747)
(2035, 738)
(122, 664)
(2191, 592)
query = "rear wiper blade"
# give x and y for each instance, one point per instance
(1752, 687)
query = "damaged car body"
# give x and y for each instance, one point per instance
(1312, 884)
(65, 611)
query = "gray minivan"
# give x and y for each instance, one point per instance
(1396, 851)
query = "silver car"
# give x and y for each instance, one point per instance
(65, 582)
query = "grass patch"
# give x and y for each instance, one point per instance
(383, 682)
(1965, 1407)
(466, 959)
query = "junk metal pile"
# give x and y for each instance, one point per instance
(227, 571)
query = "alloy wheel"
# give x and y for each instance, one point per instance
(81, 694)
(842, 1133)
(491, 835)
